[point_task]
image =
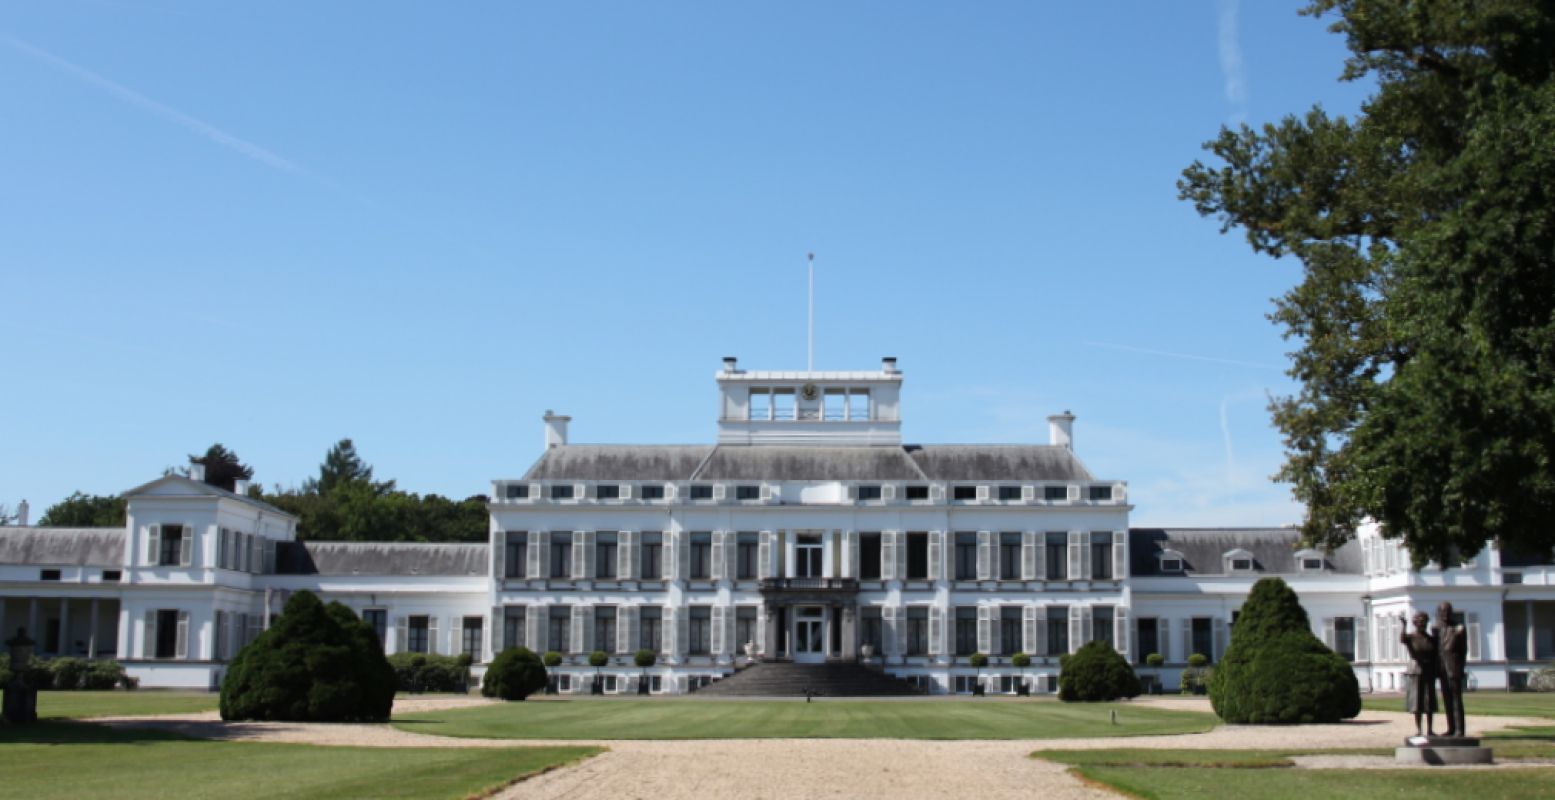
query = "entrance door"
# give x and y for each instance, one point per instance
(809, 636)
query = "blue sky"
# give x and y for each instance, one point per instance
(421, 225)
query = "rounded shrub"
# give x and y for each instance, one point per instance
(429, 672)
(599, 658)
(1020, 661)
(1096, 673)
(314, 664)
(645, 658)
(1155, 660)
(102, 676)
(978, 660)
(1198, 660)
(553, 658)
(514, 674)
(1275, 671)
(66, 673)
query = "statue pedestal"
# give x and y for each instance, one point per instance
(20, 705)
(1439, 751)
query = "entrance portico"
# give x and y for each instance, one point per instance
(811, 620)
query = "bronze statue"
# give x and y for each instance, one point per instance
(1452, 645)
(1420, 679)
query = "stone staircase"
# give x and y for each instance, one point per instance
(782, 679)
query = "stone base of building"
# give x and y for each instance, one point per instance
(1442, 751)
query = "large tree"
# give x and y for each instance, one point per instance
(342, 466)
(82, 510)
(223, 468)
(1425, 318)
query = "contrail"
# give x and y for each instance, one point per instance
(1189, 356)
(1231, 57)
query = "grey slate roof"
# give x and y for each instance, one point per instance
(201, 487)
(1273, 550)
(381, 558)
(62, 547)
(969, 462)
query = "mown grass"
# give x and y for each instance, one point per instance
(84, 705)
(824, 719)
(1493, 704)
(72, 760)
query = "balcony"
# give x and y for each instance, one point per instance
(810, 585)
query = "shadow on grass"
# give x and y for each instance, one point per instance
(65, 732)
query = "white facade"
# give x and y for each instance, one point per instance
(808, 532)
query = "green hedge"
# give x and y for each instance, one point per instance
(1275, 671)
(423, 672)
(1095, 673)
(67, 674)
(514, 674)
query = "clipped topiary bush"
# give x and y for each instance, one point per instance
(430, 672)
(314, 664)
(514, 674)
(553, 658)
(1020, 661)
(1095, 673)
(1155, 660)
(645, 658)
(1276, 671)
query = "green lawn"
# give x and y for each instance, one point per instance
(1195, 774)
(824, 719)
(1497, 704)
(83, 705)
(69, 760)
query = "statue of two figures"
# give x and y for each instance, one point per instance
(1437, 655)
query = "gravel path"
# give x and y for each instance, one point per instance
(799, 769)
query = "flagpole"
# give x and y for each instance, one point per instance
(810, 327)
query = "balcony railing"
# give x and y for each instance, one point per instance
(810, 584)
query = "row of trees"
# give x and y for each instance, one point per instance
(343, 502)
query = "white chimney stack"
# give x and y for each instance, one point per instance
(555, 429)
(888, 365)
(1060, 430)
(729, 364)
(21, 514)
(197, 472)
(240, 486)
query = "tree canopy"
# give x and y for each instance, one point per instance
(223, 469)
(343, 466)
(1425, 317)
(82, 510)
(1276, 672)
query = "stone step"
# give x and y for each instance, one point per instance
(791, 680)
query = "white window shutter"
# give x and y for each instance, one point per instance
(716, 623)
(186, 549)
(1076, 555)
(581, 629)
(888, 556)
(731, 555)
(258, 561)
(432, 634)
(1119, 555)
(153, 544)
(936, 555)
(1220, 638)
(626, 629)
(627, 555)
(982, 494)
(936, 492)
(850, 565)
(984, 630)
(764, 554)
(1120, 633)
(1185, 631)
(1028, 629)
(985, 556)
(682, 555)
(936, 630)
(719, 492)
(182, 646)
(1029, 550)
(1362, 640)
(1471, 629)
(579, 557)
(901, 555)
(537, 622)
(682, 632)
(718, 556)
(1040, 647)
(1328, 632)
(148, 644)
(1076, 628)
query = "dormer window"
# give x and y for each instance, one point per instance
(1054, 494)
(869, 492)
(702, 491)
(1009, 493)
(561, 491)
(1309, 561)
(1102, 493)
(1239, 560)
(516, 491)
(652, 491)
(1171, 565)
(747, 492)
(965, 493)
(917, 493)
(1241, 564)
(607, 491)
(761, 404)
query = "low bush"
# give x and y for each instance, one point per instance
(1155, 660)
(430, 672)
(1198, 660)
(552, 658)
(514, 674)
(1020, 661)
(645, 658)
(1542, 680)
(1095, 673)
(66, 673)
(599, 658)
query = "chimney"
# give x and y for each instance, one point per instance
(21, 514)
(1060, 430)
(888, 365)
(240, 486)
(197, 472)
(729, 362)
(555, 429)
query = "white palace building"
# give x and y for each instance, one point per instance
(808, 532)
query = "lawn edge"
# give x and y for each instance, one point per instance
(492, 791)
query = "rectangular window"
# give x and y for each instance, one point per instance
(561, 491)
(1054, 494)
(1101, 492)
(1145, 635)
(1171, 565)
(871, 492)
(702, 491)
(1204, 637)
(605, 628)
(1009, 493)
(607, 491)
(966, 556)
(513, 633)
(917, 630)
(835, 403)
(747, 492)
(378, 620)
(917, 493)
(917, 556)
(1241, 564)
(747, 550)
(783, 404)
(516, 491)
(418, 636)
(48, 574)
(171, 554)
(1057, 630)
(1009, 556)
(872, 629)
(869, 556)
(1057, 555)
(701, 556)
(651, 491)
(965, 683)
(966, 630)
(561, 554)
(1344, 637)
(807, 556)
(470, 637)
(858, 405)
(1312, 564)
(167, 633)
(1101, 624)
(761, 404)
(965, 493)
(1101, 556)
(650, 626)
(112, 575)
(559, 633)
(1009, 630)
(652, 556)
(746, 629)
(699, 638)
(516, 560)
(605, 555)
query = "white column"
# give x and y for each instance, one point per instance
(1527, 615)
(64, 627)
(91, 635)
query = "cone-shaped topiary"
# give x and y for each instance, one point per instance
(1096, 673)
(514, 674)
(315, 664)
(1275, 671)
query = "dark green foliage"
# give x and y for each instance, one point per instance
(342, 466)
(978, 660)
(66, 674)
(553, 658)
(85, 511)
(429, 672)
(1095, 673)
(223, 469)
(645, 658)
(1020, 661)
(1425, 228)
(356, 511)
(315, 664)
(1275, 671)
(514, 674)
(1198, 660)
(1155, 660)
(599, 658)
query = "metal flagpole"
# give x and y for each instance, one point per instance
(810, 328)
